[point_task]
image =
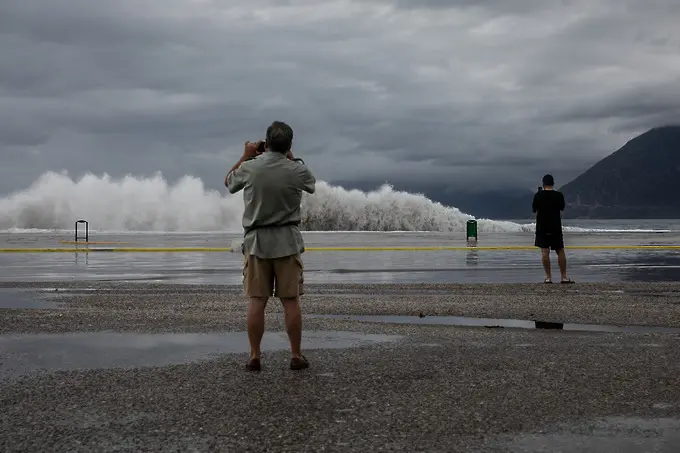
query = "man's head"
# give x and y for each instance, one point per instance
(279, 137)
(548, 181)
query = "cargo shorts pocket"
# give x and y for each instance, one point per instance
(298, 260)
(244, 271)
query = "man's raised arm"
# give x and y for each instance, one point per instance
(308, 180)
(235, 179)
(306, 177)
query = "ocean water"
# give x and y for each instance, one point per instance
(149, 212)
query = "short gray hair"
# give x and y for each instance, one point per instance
(279, 137)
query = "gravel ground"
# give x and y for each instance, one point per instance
(186, 308)
(437, 389)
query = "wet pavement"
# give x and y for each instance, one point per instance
(388, 266)
(25, 354)
(24, 299)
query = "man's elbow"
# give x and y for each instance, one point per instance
(310, 188)
(310, 184)
(231, 187)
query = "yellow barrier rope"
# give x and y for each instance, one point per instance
(87, 249)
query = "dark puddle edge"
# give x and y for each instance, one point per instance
(462, 321)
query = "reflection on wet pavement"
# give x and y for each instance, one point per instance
(497, 323)
(22, 299)
(88, 350)
(386, 266)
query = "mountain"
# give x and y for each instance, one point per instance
(639, 180)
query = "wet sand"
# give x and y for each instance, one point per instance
(96, 366)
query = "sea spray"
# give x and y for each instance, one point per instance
(56, 201)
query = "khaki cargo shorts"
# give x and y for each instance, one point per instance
(280, 277)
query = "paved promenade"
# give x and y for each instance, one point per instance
(139, 367)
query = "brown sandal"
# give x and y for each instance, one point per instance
(253, 365)
(299, 364)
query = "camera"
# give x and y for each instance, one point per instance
(540, 188)
(260, 147)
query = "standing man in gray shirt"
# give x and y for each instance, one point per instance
(272, 182)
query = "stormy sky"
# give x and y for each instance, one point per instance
(418, 93)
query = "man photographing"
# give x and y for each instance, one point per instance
(547, 205)
(272, 182)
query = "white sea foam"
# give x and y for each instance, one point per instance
(132, 204)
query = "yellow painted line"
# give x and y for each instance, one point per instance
(498, 247)
(116, 249)
(91, 243)
(328, 249)
(413, 249)
(614, 247)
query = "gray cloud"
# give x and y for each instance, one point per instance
(488, 6)
(452, 92)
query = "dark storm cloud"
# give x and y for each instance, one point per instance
(641, 104)
(457, 93)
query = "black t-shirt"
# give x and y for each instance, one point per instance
(547, 206)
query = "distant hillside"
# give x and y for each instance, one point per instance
(640, 180)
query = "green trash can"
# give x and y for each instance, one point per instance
(471, 234)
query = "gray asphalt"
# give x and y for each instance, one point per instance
(429, 388)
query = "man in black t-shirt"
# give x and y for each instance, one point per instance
(547, 205)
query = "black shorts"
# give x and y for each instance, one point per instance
(553, 241)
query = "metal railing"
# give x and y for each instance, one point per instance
(87, 230)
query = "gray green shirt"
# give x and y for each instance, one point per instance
(272, 188)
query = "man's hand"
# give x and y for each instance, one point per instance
(250, 150)
(289, 155)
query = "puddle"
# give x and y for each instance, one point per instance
(497, 323)
(23, 299)
(26, 353)
(663, 406)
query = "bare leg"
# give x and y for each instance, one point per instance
(293, 319)
(545, 256)
(256, 308)
(562, 261)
